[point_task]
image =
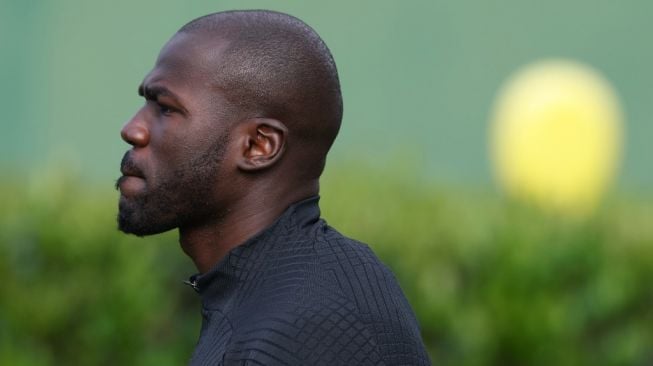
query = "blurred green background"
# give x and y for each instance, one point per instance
(492, 282)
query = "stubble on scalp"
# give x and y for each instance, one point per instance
(275, 65)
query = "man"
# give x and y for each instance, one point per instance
(241, 109)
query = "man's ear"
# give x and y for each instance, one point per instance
(262, 143)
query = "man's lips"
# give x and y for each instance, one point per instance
(130, 185)
(132, 180)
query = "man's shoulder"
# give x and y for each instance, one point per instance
(355, 268)
(340, 305)
(322, 253)
(317, 326)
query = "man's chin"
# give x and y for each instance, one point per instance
(140, 229)
(140, 224)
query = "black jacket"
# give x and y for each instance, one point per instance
(300, 293)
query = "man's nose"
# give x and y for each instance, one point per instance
(135, 132)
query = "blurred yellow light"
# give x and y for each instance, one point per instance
(556, 136)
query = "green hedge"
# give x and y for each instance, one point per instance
(491, 282)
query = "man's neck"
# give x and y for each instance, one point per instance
(208, 243)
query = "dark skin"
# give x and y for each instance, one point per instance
(186, 115)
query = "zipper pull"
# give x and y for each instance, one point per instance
(192, 283)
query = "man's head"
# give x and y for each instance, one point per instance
(238, 103)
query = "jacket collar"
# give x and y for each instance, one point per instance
(241, 262)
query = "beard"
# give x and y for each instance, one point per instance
(179, 197)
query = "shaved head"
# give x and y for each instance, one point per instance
(273, 65)
(241, 109)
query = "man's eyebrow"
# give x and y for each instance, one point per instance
(152, 92)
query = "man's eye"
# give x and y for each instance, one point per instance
(165, 110)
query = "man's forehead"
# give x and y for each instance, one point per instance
(185, 60)
(188, 52)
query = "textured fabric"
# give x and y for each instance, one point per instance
(300, 293)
